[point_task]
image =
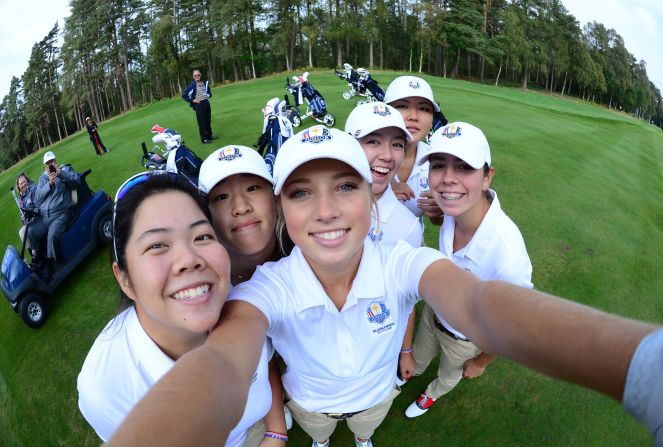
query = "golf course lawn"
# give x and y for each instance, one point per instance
(584, 185)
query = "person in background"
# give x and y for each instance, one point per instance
(413, 97)
(197, 94)
(26, 202)
(56, 209)
(98, 145)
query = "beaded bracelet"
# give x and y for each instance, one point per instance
(275, 435)
(406, 350)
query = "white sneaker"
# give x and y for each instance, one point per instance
(419, 406)
(366, 443)
(288, 417)
(318, 444)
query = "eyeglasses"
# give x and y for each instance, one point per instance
(196, 76)
(124, 189)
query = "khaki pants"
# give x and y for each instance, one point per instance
(256, 434)
(320, 427)
(430, 341)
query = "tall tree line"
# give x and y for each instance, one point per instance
(116, 54)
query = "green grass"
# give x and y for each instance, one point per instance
(584, 185)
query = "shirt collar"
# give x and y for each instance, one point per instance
(155, 362)
(476, 249)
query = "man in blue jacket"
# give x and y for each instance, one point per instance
(56, 208)
(197, 94)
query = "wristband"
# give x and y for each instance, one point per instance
(275, 435)
(406, 350)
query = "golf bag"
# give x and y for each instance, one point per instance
(276, 129)
(370, 86)
(317, 107)
(350, 76)
(175, 157)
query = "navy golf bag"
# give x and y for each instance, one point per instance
(276, 129)
(372, 86)
(185, 162)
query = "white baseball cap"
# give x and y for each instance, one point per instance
(231, 160)
(461, 140)
(406, 86)
(48, 156)
(315, 143)
(369, 117)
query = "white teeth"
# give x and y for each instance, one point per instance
(451, 196)
(330, 235)
(380, 169)
(191, 293)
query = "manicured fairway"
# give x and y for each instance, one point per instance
(584, 184)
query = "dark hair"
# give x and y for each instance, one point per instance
(125, 211)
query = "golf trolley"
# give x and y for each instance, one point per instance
(24, 286)
(276, 129)
(176, 157)
(316, 106)
(360, 83)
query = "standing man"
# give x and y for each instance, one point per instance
(197, 94)
(56, 208)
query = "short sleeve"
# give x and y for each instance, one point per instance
(261, 292)
(406, 265)
(517, 272)
(643, 391)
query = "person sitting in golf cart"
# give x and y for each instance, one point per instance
(56, 208)
(26, 201)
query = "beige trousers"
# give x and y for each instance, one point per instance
(256, 434)
(320, 426)
(430, 341)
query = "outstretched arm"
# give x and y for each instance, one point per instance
(203, 396)
(535, 329)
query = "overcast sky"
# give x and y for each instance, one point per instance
(639, 22)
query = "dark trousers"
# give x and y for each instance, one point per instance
(50, 229)
(97, 143)
(204, 117)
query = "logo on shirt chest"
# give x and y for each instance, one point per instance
(423, 183)
(377, 312)
(375, 234)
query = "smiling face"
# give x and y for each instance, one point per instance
(417, 113)
(385, 149)
(326, 206)
(244, 215)
(22, 184)
(458, 189)
(177, 272)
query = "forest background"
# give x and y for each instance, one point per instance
(112, 55)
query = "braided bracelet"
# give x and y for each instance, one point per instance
(275, 435)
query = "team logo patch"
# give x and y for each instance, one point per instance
(229, 153)
(315, 135)
(381, 109)
(377, 312)
(451, 131)
(375, 234)
(414, 84)
(423, 183)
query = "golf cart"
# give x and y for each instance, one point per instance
(22, 284)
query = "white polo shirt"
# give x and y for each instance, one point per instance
(124, 363)
(495, 252)
(418, 181)
(397, 223)
(339, 361)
